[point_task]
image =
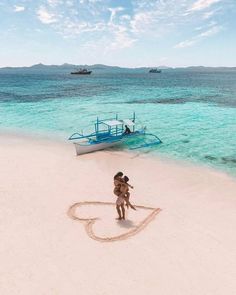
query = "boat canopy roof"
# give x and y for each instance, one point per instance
(128, 122)
(112, 123)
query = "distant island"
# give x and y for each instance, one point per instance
(100, 67)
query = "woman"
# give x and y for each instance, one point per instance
(121, 190)
(120, 200)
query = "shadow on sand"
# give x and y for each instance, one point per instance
(126, 223)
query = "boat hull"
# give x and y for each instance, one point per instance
(90, 148)
(155, 72)
(81, 73)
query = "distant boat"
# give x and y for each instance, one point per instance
(81, 72)
(155, 71)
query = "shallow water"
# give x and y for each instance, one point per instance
(194, 113)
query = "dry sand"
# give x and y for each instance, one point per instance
(187, 248)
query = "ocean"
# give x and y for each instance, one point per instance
(192, 111)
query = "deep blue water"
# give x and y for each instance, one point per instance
(193, 112)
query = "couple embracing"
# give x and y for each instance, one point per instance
(121, 190)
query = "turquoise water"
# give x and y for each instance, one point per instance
(193, 112)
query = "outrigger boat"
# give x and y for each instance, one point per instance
(112, 132)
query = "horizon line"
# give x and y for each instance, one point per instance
(115, 66)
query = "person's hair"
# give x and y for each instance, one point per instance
(118, 174)
(126, 178)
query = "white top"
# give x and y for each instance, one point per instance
(128, 122)
(113, 123)
(119, 122)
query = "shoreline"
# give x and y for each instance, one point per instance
(59, 233)
(49, 138)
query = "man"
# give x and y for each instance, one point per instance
(121, 190)
(124, 189)
(120, 200)
(127, 130)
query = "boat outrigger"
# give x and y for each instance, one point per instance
(112, 132)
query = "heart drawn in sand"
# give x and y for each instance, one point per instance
(90, 221)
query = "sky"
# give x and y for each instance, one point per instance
(130, 33)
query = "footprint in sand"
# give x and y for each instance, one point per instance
(88, 212)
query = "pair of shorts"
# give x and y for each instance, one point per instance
(120, 201)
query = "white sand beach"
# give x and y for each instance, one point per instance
(188, 247)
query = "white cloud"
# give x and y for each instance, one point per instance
(196, 39)
(198, 28)
(212, 31)
(141, 21)
(121, 26)
(186, 43)
(69, 3)
(114, 11)
(158, 17)
(203, 4)
(19, 8)
(54, 2)
(121, 41)
(122, 38)
(89, 1)
(125, 17)
(208, 14)
(45, 16)
(118, 28)
(71, 28)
